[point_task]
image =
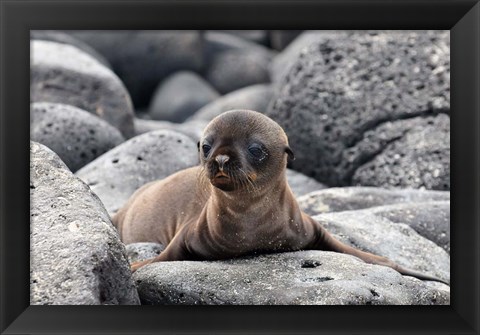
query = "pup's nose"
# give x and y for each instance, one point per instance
(221, 160)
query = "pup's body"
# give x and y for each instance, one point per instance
(237, 202)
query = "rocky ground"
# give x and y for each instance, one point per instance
(367, 115)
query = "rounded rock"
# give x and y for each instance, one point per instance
(62, 73)
(234, 63)
(192, 129)
(255, 97)
(179, 96)
(75, 135)
(115, 175)
(143, 58)
(61, 37)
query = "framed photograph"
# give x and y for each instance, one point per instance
(325, 74)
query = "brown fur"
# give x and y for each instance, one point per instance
(199, 217)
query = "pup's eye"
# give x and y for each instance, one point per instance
(206, 148)
(256, 151)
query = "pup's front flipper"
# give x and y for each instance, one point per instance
(175, 251)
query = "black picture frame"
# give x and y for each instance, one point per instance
(18, 17)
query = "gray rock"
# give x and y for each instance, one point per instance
(280, 39)
(143, 58)
(429, 219)
(77, 136)
(295, 278)
(143, 250)
(407, 153)
(427, 212)
(115, 175)
(256, 97)
(62, 73)
(283, 62)
(234, 63)
(179, 96)
(61, 37)
(76, 256)
(365, 230)
(192, 129)
(342, 89)
(301, 184)
(338, 199)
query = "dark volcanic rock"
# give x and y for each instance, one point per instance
(115, 175)
(61, 37)
(76, 256)
(342, 90)
(77, 136)
(234, 63)
(256, 97)
(181, 95)
(301, 184)
(192, 129)
(143, 58)
(282, 279)
(338, 199)
(62, 73)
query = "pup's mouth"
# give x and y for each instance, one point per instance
(220, 178)
(221, 175)
(222, 181)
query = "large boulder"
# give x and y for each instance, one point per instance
(366, 108)
(255, 97)
(75, 135)
(143, 58)
(294, 278)
(192, 129)
(61, 73)
(233, 62)
(76, 256)
(115, 175)
(179, 96)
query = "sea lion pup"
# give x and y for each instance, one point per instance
(237, 202)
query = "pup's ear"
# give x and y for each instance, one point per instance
(290, 154)
(198, 146)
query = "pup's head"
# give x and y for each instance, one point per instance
(243, 149)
